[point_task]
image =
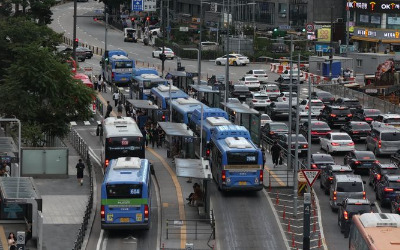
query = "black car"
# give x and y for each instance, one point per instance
(395, 158)
(395, 205)
(335, 115)
(303, 117)
(366, 115)
(318, 129)
(67, 51)
(271, 131)
(360, 161)
(278, 109)
(301, 141)
(353, 104)
(320, 161)
(240, 92)
(380, 169)
(89, 52)
(387, 188)
(284, 85)
(357, 130)
(327, 173)
(325, 97)
(350, 207)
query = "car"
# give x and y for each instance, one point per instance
(278, 109)
(389, 119)
(345, 186)
(272, 91)
(316, 105)
(335, 115)
(387, 189)
(264, 119)
(395, 205)
(234, 59)
(66, 50)
(321, 161)
(295, 75)
(89, 52)
(216, 79)
(233, 100)
(318, 129)
(284, 97)
(380, 169)
(357, 130)
(395, 158)
(167, 51)
(284, 85)
(156, 32)
(353, 104)
(260, 74)
(271, 131)
(336, 142)
(350, 207)
(303, 117)
(250, 81)
(325, 97)
(302, 143)
(383, 140)
(130, 35)
(366, 115)
(259, 100)
(360, 160)
(328, 172)
(241, 92)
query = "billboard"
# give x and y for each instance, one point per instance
(324, 35)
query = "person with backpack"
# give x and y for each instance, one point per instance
(79, 171)
(276, 153)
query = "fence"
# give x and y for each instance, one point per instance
(193, 227)
(79, 144)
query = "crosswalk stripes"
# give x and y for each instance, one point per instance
(84, 123)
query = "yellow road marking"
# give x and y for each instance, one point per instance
(281, 183)
(3, 238)
(179, 194)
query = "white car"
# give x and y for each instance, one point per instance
(284, 97)
(316, 105)
(272, 91)
(286, 75)
(264, 119)
(259, 73)
(167, 51)
(259, 100)
(250, 81)
(234, 59)
(336, 142)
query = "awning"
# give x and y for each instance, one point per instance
(195, 168)
(239, 108)
(367, 39)
(392, 41)
(203, 88)
(142, 104)
(176, 129)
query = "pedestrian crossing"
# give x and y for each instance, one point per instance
(91, 122)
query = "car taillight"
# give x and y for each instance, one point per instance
(350, 144)
(379, 144)
(305, 146)
(388, 189)
(146, 212)
(314, 166)
(330, 178)
(368, 119)
(314, 132)
(357, 162)
(376, 161)
(102, 213)
(349, 115)
(355, 132)
(333, 115)
(378, 177)
(364, 195)
(334, 195)
(207, 152)
(107, 161)
(271, 132)
(307, 107)
(284, 98)
(254, 100)
(261, 176)
(335, 144)
(223, 176)
(345, 215)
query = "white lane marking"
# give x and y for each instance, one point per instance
(277, 219)
(321, 229)
(95, 157)
(104, 245)
(158, 195)
(378, 207)
(100, 240)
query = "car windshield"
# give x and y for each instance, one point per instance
(341, 137)
(367, 155)
(123, 64)
(394, 184)
(300, 138)
(279, 127)
(250, 79)
(372, 111)
(323, 158)
(364, 126)
(354, 186)
(241, 88)
(360, 208)
(390, 171)
(316, 104)
(320, 125)
(265, 118)
(324, 94)
(282, 105)
(272, 88)
(259, 72)
(392, 120)
(261, 97)
(352, 102)
(391, 136)
(341, 111)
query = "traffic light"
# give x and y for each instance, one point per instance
(132, 19)
(76, 42)
(163, 118)
(163, 57)
(148, 18)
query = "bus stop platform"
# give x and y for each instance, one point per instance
(142, 104)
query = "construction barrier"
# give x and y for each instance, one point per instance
(302, 184)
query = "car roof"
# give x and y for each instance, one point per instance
(349, 99)
(338, 133)
(388, 165)
(393, 177)
(348, 178)
(364, 152)
(339, 168)
(277, 123)
(359, 122)
(354, 201)
(387, 129)
(338, 107)
(390, 115)
(259, 94)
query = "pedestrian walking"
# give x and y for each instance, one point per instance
(99, 77)
(275, 152)
(154, 133)
(103, 86)
(109, 110)
(119, 108)
(95, 82)
(12, 241)
(79, 171)
(116, 98)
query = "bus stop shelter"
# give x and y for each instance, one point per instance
(211, 93)
(149, 110)
(21, 204)
(179, 139)
(198, 169)
(242, 115)
(181, 79)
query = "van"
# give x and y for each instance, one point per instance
(345, 186)
(209, 45)
(383, 140)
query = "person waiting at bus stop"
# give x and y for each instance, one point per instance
(196, 198)
(276, 153)
(109, 110)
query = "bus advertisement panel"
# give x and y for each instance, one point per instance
(126, 195)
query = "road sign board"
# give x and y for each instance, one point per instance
(99, 11)
(310, 27)
(311, 175)
(183, 28)
(137, 5)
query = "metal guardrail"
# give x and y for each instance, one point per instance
(80, 145)
(193, 227)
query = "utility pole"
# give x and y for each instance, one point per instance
(254, 22)
(106, 28)
(74, 33)
(289, 148)
(168, 27)
(200, 47)
(227, 60)
(347, 27)
(331, 45)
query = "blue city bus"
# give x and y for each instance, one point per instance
(141, 71)
(212, 117)
(182, 109)
(236, 162)
(142, 85)
(161, 95)
(117, 68)
(126, 195)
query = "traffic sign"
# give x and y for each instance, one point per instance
(311, 175)
(185, 29)
(137, 5)
(310, 27)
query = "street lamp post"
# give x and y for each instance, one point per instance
(198, 63)
(227, 60)
(199, 50)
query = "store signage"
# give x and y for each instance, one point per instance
(377, 33)
(372, 6)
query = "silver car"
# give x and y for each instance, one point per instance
(383, 140)
(345, 186)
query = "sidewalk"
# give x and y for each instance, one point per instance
(64, 203)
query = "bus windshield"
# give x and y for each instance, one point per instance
(239, 158)
(122, 191)
(150, 85)
(123, 64)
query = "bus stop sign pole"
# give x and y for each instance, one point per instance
(306, 221)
